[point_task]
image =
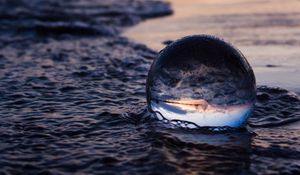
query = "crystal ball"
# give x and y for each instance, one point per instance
(201, 80)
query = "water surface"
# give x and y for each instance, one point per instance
(72, 101)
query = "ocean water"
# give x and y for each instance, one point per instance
(75, 102)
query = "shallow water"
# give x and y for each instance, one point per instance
(267, 33)
(75, 104)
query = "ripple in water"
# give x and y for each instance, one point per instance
(203, 81)
(61, 99)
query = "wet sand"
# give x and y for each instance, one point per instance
(73, 101)
(267, 33)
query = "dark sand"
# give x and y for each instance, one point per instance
(72, 101)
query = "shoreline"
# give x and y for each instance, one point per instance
(264, 32)
(73, 101)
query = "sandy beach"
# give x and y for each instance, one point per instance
(72, 88)
(267, 33)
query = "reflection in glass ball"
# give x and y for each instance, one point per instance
(201, 80)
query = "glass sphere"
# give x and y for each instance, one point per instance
(201, 80)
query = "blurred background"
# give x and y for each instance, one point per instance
(266, 31)
(72, 90)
